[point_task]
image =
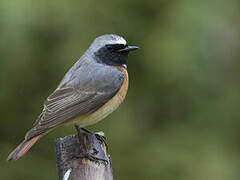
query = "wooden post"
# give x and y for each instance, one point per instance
(83, 157)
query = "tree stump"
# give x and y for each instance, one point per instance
(83, 157)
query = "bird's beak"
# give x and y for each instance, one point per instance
(128, 48)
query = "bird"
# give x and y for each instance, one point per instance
(91, 89)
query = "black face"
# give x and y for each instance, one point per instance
(112, 54)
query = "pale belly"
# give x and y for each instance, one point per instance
(107, 108)
(100, 114)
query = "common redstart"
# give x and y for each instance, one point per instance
(93, 88)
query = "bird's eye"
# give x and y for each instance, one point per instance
(115, 47)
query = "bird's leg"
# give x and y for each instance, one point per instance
(89, 150)
(101, 138)
(87, 131)
(78, 132)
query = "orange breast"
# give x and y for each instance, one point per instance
(123, 90)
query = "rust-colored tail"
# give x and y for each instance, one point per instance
(23, 148)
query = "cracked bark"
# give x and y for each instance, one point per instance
(83, 157)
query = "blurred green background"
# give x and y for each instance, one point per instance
(180, 119)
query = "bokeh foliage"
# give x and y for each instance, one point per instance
(180, 119)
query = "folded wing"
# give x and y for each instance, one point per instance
(78, 96)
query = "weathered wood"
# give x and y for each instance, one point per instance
(83, 157)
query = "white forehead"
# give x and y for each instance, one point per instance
(118, 40)
(110, 39)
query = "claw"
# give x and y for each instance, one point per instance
(102, 139)
(89, 152)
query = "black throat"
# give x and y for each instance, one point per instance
(111, 57)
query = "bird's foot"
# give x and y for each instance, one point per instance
(101, 138)
(88, 149)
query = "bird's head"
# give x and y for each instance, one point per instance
(111, 49)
